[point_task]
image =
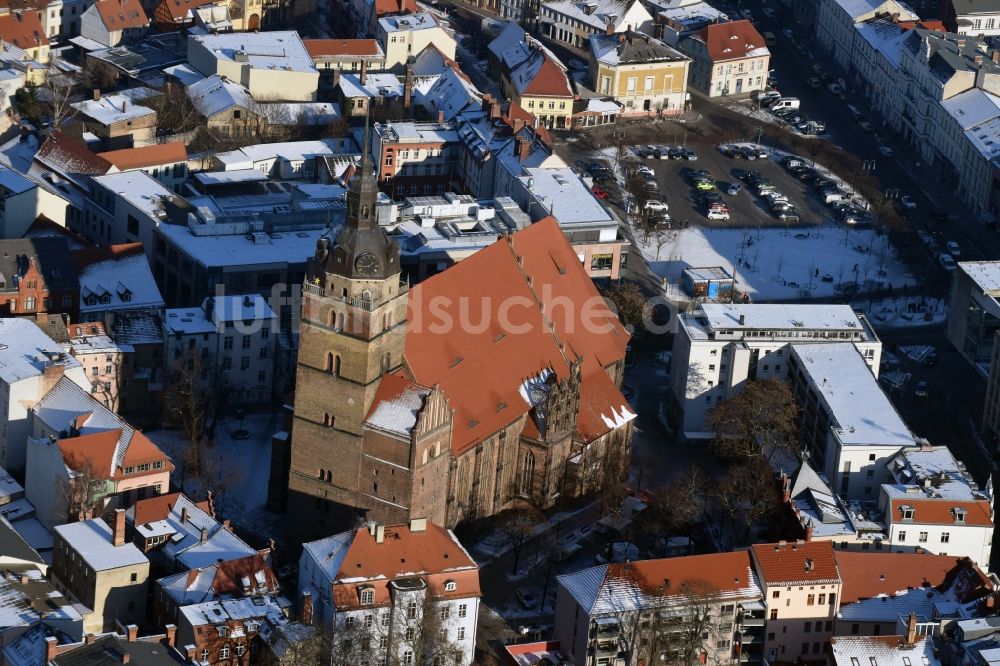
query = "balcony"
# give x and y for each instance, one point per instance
(752, 621)
(364, 304)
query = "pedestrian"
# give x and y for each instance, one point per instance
(817, 273)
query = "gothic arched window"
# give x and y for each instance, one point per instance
(527, 472)
(333, 364)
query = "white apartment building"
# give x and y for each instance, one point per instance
(405, 36)
(849, 426)
(598, 610)
(572, 22)
(229, 339)
(719, 347)
(836, 20)
(932, 503)
(30, 365)
(802, 586)
(125, 208)
(974, 319)
(373, 585)
(980, 18)
(969, 141)
(108, 364)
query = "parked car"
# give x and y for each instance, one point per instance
(708, 198)
(921, 390)
(718, 214)
(931, 359)
(748, 153)
(835, 88)
(866, 126)
(654, 205)
(813, 82)
(700, 173)
(690, 155)
(645, 152)
(947, 262)
(907, 202)
(787, 32)
(733, 189)
(598, 192)
(885, 150)
(791, 162)
(788, 215)
(953, 249)
(704, 185)
(675, 153)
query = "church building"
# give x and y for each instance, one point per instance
(492, 383)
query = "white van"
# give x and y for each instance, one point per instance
(785, 103)
(830, 197)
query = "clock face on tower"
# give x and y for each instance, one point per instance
(367, 264)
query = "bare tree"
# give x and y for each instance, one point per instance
(746, 496)
(58, 92)
(679, 506)
(628, 301)
(175, 114)
(84, 490)
(518, 526)
(758, 421)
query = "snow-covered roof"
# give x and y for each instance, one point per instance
(936, 466)
(95, 344)
(977, 112)
(187, 321)
(25, 351)
(986, 275)
(92, 540)
(23, 604)
(598, 13)
(292, 151)
(884, 651)
(328, 554)
(566, 197)
(407, 22)
(450, 93)
(398, 414)
(9, 487)
(239, 250)
(782, 316)
(139, 189)
(14, 182)
(510, 47)
(126, 277)
(376, 85)
(224, 610)
(690, 15)
(274, 50)
(184, 73)
(213, 95)
(859, 410)
(855, 9)
(117, 107)
(817, 506)
(250, 307)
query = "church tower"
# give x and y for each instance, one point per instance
(353, 331)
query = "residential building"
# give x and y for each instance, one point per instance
(381, 95)
(21, 203)
(727, 59)
(592, 112)
(176, 15)
(935, 591)
(30, 365)
(127, 647)
(229, 342)
(108, 364)
(719, 347)
(931, 503)
(572, 22)
(96, 566)
(802, 586)
(114, 279)
(508, 49)
(272, 66)
(836, 19)
(383, 587)
(967, 147)
(78, 444)
(289, 160)
(451, 94)
(880, 588)
(404, 37)
(849, 425)
(540, 86)
(36, 277)
(885, 650)
(125, 208)
(625, 613)
(16, 554)
(416, 158)
(641, 73)
(333, 56)
(365, 14)
(23, 29)
(674, 20)
(226, 105)
(166, 163)
(360, 360)
(29, 603)
(244, 577)
(974, 319)
(980, 18)
(227, 631)
(114, 22)
(119, 120)
(180, 535)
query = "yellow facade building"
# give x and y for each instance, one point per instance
(642, 74)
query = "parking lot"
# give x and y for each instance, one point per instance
(746, 208)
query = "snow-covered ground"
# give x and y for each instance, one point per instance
(904, 312)
(240, 467)
(776, 264)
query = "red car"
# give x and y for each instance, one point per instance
(599, 193)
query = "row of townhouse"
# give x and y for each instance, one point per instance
(774, 602)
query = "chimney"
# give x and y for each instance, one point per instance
(809, 530)
(51, 648)
(204, 535)
(610, 28)
(418, 525)
(621, 38)
(487, 99)
(786, 488)
(995, 55)
(440, 117)
(210, 500)
(524, 149)
(518, 125)
(51, 373)
(895, 17)
(132, 632)
(189, 651)
(25, 579)
(226, 525)
(125, 658)
(184, 514)
(124, 105)
(363, 76)
(89, 639)
(170, 634)
(97, 94)
(978, 59)
(118, 528)
(911, 629)
(743, 319)
(960, 43)
(408, 85)
(307, 608)
(379, 533)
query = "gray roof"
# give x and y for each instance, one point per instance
(966, 7)
(50, 255)
(12, 545)
(109, 650)
(632, 47)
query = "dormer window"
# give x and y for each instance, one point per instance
(906, 511)
(223, 631)
(367, 595)
(450, 586)
(959, 514)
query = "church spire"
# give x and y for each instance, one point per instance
(364, 190)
